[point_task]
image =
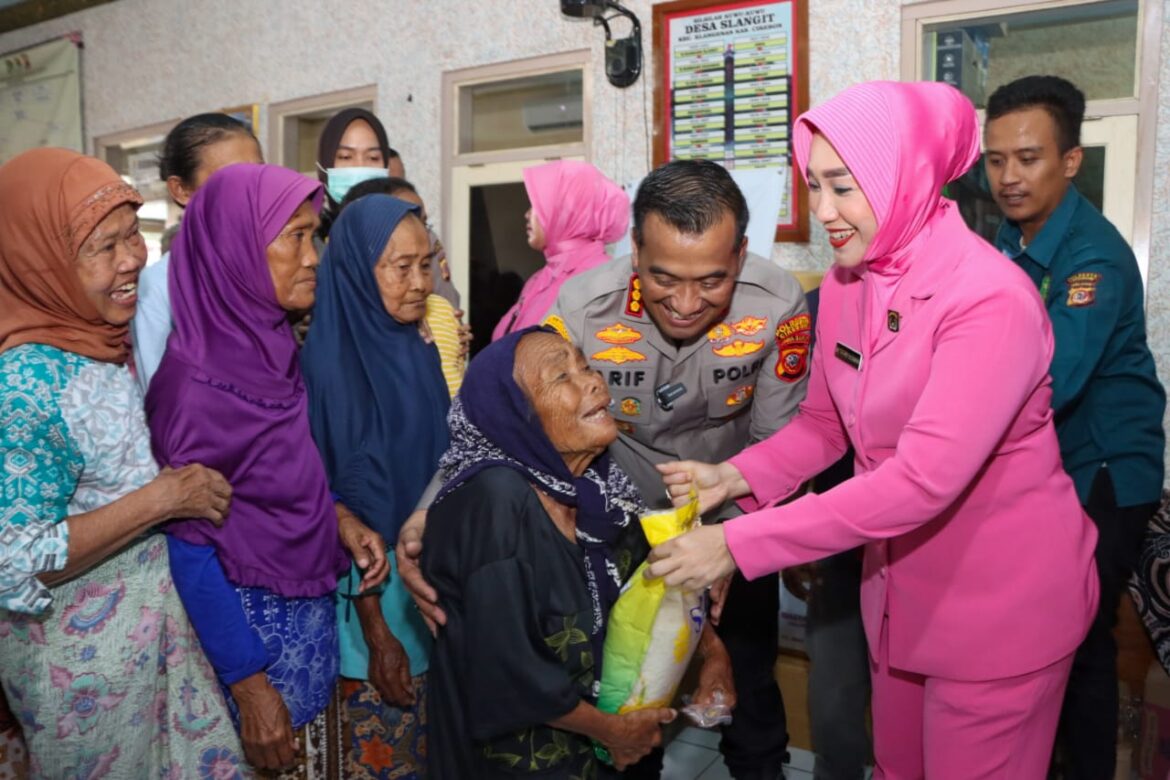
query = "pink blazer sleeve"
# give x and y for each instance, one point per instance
(812, 441)
(989, 355)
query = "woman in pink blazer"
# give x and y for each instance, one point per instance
(931, 360)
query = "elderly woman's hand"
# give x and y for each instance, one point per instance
(390, 670)
(366, 548)
(715, 482)
(425, 332)
(406, 555)
(632, 736)
(694, 560)
(716, 682)
(192, 491)
(265, 725)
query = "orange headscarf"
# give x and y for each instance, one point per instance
(50, 201)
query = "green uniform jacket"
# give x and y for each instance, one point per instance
(1105, 392)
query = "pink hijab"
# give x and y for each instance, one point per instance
(903, 142)
(581, 211)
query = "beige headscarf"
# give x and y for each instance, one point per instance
(50, 201)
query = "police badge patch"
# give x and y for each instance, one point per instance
(1082, 289)
(793, 337)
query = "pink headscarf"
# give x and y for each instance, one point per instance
(581, 211)
(903, 142)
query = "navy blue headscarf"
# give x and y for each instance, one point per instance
(492, 423)
(377, 397)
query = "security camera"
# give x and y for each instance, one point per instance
(623, 56)
(583, 8)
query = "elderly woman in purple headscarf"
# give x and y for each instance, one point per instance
(229, 393)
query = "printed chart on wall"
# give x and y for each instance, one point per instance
(40, 97)
(731, 79)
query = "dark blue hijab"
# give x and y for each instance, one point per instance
(493, 424)
(377, 397)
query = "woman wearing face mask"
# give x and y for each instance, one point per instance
(575, 212)
(193, 150)
(352, 148)
(931, 360)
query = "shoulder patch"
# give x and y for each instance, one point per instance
(556, 323)
(793, 337)
(1082, 289)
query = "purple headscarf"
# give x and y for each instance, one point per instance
(229, 392)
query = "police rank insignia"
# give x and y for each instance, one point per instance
(750, 326)
(740, 394)
(793, 337)
(630, 407)
(634, 303)
(618, 355)
(1082, 289)
(738, 348)
(724, 342)
(557, 324)
(618, 334)
(721, 332)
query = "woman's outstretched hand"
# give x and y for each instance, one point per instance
(694, 560)
(714, 482)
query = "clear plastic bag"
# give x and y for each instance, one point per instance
(708, 716)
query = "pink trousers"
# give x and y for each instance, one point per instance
(939, 729)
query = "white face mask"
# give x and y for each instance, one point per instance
(342, 180)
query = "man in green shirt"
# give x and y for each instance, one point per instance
(1106, 396)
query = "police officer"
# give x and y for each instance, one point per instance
(705, 350)
(1105, 394)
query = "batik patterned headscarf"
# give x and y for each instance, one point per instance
(493, 424)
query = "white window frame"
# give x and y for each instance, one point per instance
(455, 80)
(916, 16)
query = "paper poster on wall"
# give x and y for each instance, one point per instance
(40, 98)
(732, 78)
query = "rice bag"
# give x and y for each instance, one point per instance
(653, 630)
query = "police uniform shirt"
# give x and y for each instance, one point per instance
(704, 400)
(1105, 392)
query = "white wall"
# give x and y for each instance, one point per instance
(148, 61)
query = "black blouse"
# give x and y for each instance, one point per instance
(515, 653)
